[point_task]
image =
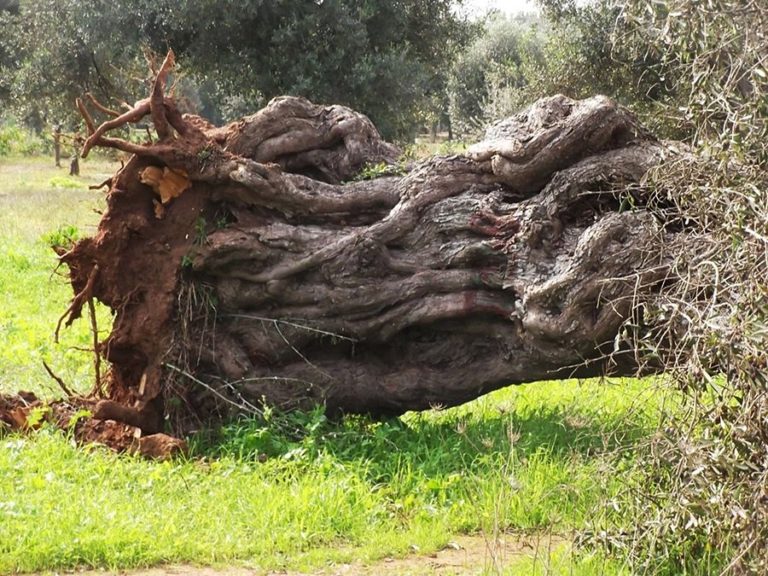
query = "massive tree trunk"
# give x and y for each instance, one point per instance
(248, 264)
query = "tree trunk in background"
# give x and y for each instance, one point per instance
(246, 265)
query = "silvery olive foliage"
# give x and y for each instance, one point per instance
(702, 507)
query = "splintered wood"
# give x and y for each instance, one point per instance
(166, 182)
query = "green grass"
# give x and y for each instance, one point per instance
(295, 491)
(36, 201)
(528, 459)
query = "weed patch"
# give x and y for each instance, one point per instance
(64, 182)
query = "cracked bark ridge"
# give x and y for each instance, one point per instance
(275, 279)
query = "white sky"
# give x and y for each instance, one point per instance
(508, 6)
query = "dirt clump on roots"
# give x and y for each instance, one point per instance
(23, 412)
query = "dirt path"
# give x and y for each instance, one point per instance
(467, 555)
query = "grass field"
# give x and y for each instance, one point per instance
(295, 492)
(38, 201)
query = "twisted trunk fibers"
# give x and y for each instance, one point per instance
(269, 275)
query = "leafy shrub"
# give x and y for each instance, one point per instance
(64, 182)
(373, 171)
(702, 506)
(15, 141)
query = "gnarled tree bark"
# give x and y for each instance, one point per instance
(265, 273)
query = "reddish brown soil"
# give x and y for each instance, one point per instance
(70, 415)
(138, 281)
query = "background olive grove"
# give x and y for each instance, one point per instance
(409, 65)
(388, 59)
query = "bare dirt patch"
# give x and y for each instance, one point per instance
(466, 555)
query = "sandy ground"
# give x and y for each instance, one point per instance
(467, 555)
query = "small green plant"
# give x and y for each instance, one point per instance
(63, 238)
(222, 220)
(79, 416)
(289, 435)
(203, 156)
(37, 416)
(373, 171)
(201, 233)
(451, 147)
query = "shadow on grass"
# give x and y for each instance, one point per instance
(434, 442)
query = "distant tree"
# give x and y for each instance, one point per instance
(596, 55)
(8, 9)
(498, 54)
(385, 58)
(63, 48)
(577, 49)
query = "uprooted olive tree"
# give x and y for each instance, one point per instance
(251, 264)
